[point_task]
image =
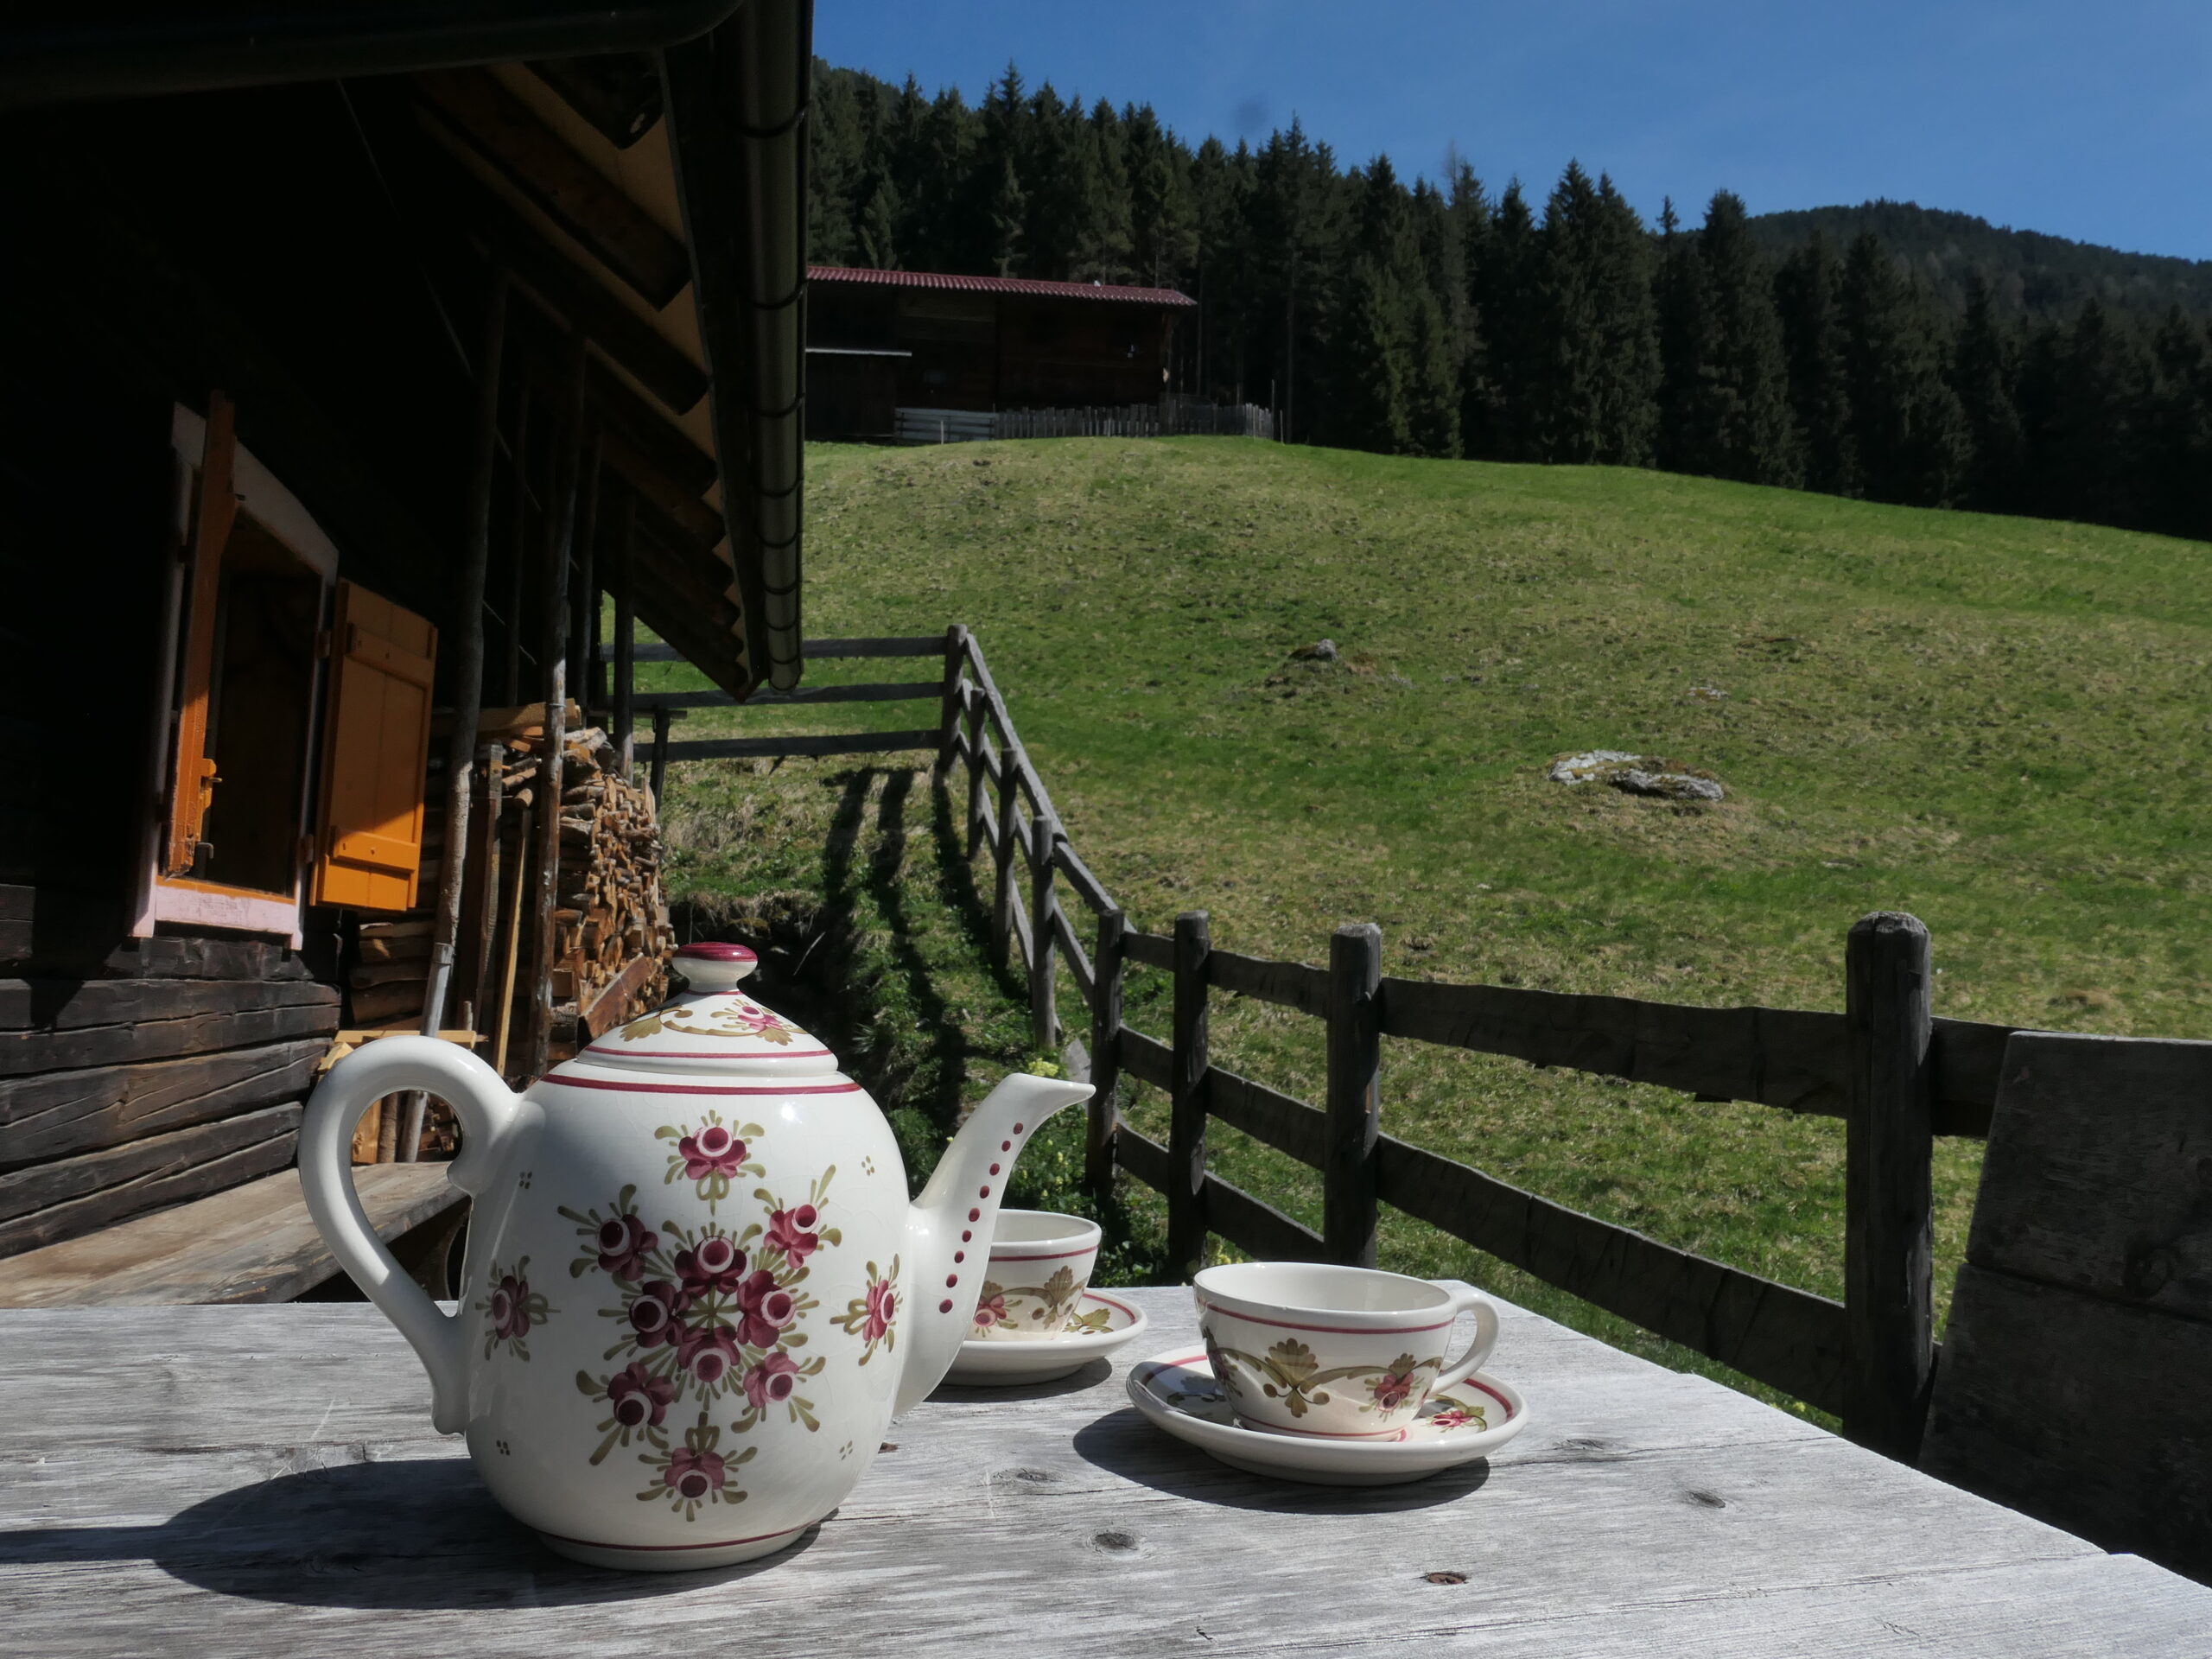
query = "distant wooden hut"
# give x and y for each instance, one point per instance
(351, 358)
(879, 341)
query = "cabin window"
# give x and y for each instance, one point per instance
(252, 589)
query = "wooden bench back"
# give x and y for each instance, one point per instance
(2077, 1376)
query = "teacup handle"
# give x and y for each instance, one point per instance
(1467, 1299)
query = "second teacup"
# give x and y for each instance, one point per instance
(1340, 1353)
(1040, 1265)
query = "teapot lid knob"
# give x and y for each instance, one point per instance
(711, 965)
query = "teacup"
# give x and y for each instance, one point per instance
(1039, 1267)
(1339, 1353)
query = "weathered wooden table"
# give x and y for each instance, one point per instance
(264, 1480)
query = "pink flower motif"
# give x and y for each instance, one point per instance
(991, 1311)
(792, 1231)
(771, 1380)
(1392, 1390)
(656, 1314)
(713, 1151)
(714, 1264)
(752, 1017)
(763, 1310)
(624, 1244)
(510, 1309)
(707, 1355)
(639, 1398)
(694, 1474)
(1451, 1417)
(882, 1308)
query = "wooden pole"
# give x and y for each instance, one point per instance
(514, 938)
(626, 640)
(1354, 1100)
(519, 545)
(584, 609)
(977, 726)
(1186, 1132)
(1044, 1017)
(1003, 877)
(1889, 1204)
(559, 544)
(484, 927)
(1105, 1054)
(468, 692)
(956, 659)
(660, 755)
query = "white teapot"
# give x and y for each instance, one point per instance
(695, 1293)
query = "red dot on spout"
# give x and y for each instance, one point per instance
(960, 1255)
(1005, 1146)
(994, 1169)
(951, 1279)
(946, 1306)
(983, 1191)
(974, 1214)
(965, 1237)
(1017, 1128)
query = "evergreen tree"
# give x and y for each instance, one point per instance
(1743, 419)
(1596, 393)
(1102, 251)
(1983, 373)
(1163, 220)
(2181, 442)
(1906, 422)
(1368, 373)
(2098, 425)
(1471, 222)
(1508, 296)
(1682, 313)
(1805, 291)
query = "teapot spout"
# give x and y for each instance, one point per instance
(954, 1217)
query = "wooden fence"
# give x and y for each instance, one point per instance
(1896, 1076)
(1170, 418)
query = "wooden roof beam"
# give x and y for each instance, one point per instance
(577, 196)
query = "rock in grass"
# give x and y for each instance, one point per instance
(1321, 651)
(1638, 775)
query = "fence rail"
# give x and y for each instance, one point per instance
(1897, 1076)
(1172, 416)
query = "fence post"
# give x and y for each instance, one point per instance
(1187, 1129)
(1044, 1017)
(1003, 878)
(977, 726)
(1105, 1054)
(1354, 1101)
(1888, 1202)
(658, 776)
(955, 659)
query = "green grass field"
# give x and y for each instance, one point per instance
(1994, 723)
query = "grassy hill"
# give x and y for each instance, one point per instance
(1995, 723)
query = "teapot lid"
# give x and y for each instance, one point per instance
(714, 1028)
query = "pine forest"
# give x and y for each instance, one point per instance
(1463, 319)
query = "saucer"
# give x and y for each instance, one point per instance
(1177, 1392)
(1039, 1359)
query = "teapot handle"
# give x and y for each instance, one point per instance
(488, 1112)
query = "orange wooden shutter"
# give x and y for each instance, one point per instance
(376, 751)
(193, 771)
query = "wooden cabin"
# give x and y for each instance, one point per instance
(879, 341)
(368, 384)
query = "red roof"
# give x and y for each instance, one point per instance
(938, 279)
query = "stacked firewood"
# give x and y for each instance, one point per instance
(391, 971)
(614, 937)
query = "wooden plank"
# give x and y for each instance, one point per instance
(73, 1005)
(60, 1199)
(1786, 1338)
(2078, 1410)
(1087, 886)
(1146, 1059)
(2095, 1176)
(1259, 1229)
(202, 958)
(26, 1052)
(890, 691)
(1146, 1159)
(1889, 1194)
(729, 748)
(498, 126)
(1044, 1016)
(952, 696)
(981, 769)
(1186, 1098)
(1292, 984)
(1150, 950)
(1269, 1116)
(1777, 1056)
(1107, 1035)
(606, 1009)
(254, 1243)
(1353, 1108)
(1966, 1057)
(927, 645)
(1071, 952)
(1005, 836)
(92, 1214)
(993, 1507)
(57, 1113)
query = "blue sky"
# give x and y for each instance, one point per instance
(2091, 119)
